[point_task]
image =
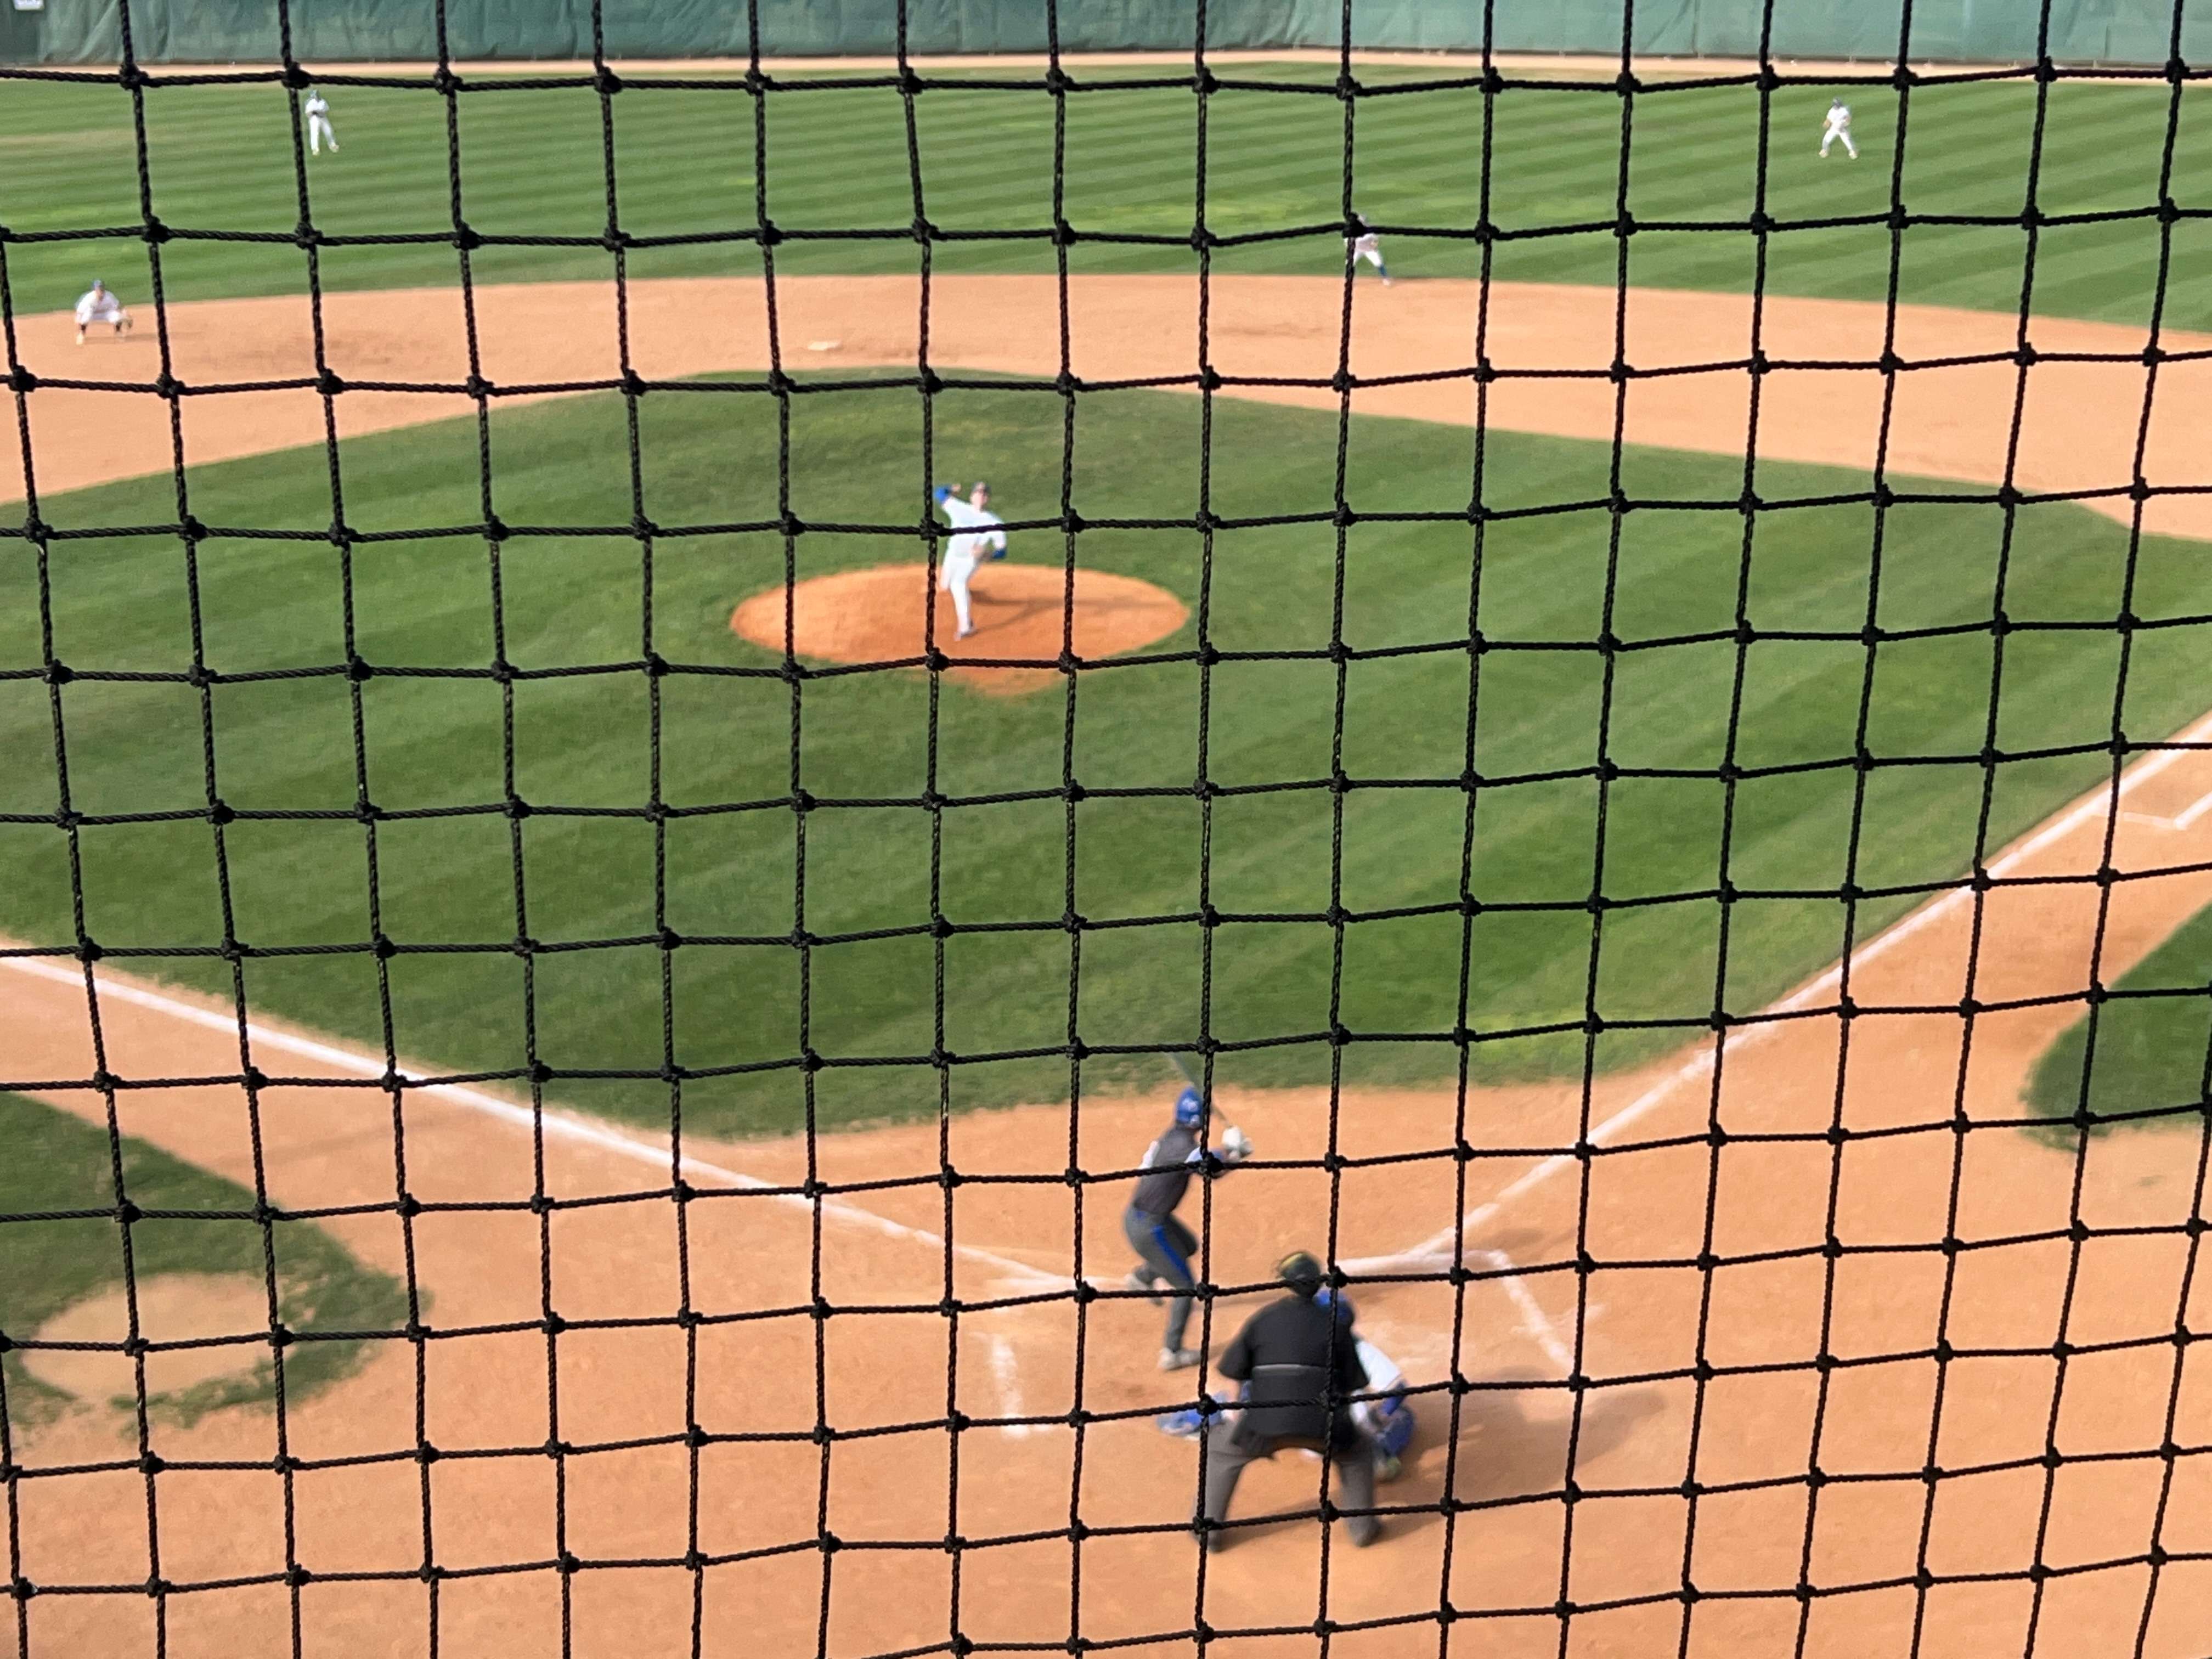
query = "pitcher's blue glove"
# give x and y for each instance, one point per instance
(941, 493)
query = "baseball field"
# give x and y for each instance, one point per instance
(1549, 798)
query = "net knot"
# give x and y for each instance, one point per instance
(21, 379)
(445, 81)
(606, 80)
(156, 233)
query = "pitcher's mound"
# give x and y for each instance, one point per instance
(878, 616)
(172, 1307)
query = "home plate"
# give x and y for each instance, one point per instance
(823, 345)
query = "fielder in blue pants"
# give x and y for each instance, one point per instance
(1167, 1252)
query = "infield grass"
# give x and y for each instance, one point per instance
(580, 870)
(2154, 1040)
(51, 1254)
(533, 162)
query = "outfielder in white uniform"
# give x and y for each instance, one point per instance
(1839, 126)
(97, 305)
(967, 550)
(317, 111)
(1368, 246)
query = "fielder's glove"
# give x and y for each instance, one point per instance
(1236, 1145)
(940, 494)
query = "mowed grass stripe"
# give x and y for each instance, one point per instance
(120, 603)
(531, 164)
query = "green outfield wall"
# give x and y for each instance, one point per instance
(218, 31)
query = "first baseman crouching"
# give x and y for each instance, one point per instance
(97, 305)
(1165, 1248)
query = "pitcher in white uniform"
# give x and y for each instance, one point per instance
(980, 540)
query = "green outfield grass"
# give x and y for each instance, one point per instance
(122, 604)
(533, 162)
(57, 1163)
(2152, 1047)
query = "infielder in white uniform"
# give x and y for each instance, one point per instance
(1839, 126)
(97, 305)
(317, 111)
(1368, 246)
(966, 551)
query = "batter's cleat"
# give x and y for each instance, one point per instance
(1362, 1531)
(963, 633)
(1178, 1360)
(1141, 1283)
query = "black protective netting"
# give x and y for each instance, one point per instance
(2144, 1545)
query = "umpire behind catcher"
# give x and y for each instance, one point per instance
(1300, 1365)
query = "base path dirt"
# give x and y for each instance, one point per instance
(171, 1308)
(1021, 612)
(1823, 401)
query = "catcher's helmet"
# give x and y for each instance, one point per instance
(1190, 1110)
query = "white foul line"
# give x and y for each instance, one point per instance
(559, 1125)
(1437, 1251)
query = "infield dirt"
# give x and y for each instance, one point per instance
(2079, 1242)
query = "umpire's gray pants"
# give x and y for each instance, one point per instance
(1166, 1247)
(1224, 1466)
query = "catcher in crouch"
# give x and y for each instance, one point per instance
(1165, 1248)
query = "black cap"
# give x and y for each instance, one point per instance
(1299, 1271)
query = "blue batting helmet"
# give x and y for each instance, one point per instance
(1190, 1110)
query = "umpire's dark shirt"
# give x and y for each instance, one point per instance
(1169, 1162)
(1290, 1355)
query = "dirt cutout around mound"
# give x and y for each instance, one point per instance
(172, 1307)
(878, 616)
